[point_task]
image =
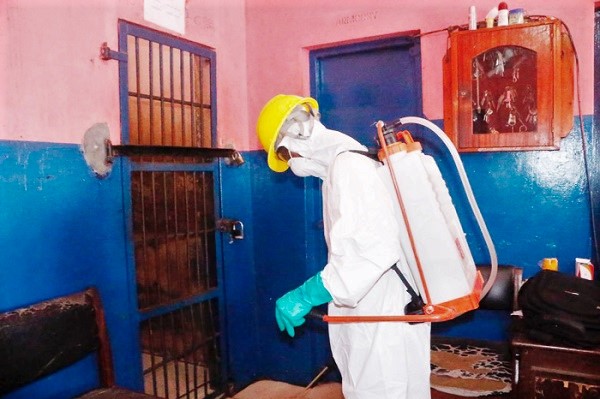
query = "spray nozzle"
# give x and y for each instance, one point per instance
(389, 132)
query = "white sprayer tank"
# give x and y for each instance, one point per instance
(438, 238)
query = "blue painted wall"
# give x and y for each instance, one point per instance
(62, 229)
(284, 228)
(242, 310)
(535, 203)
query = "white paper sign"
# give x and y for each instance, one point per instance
(169, 14)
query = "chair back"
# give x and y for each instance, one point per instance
(503, 294)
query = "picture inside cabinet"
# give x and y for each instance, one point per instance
(504, 90)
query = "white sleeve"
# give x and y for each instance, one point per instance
(364, 239)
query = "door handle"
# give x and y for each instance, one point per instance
(235, 228)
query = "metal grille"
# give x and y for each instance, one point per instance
(174, 236)
(181, 352)
(169, 95)
(170, 102)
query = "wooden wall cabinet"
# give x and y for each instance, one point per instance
(509, 88)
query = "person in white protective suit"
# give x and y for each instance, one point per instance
(376, 360)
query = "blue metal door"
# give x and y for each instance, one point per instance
(357, 85)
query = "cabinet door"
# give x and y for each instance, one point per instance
(502, 88)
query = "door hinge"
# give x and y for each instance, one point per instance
(107, 54)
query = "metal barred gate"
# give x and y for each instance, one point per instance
(167, 94)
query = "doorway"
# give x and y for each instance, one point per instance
(356, 85)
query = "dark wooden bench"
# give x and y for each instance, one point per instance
(43, 338)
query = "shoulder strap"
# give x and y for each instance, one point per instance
(415, 306)
(371, 153)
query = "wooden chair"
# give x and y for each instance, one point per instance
(466, 367)
(43, 338)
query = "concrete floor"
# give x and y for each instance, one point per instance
(267, 389)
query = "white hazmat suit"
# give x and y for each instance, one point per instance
(381, 360)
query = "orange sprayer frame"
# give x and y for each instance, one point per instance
(431, 313)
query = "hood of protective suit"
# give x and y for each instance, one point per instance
(319, 150)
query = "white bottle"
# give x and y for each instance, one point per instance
(472, 18)
(502, 14)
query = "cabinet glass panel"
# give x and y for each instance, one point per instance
(505, 90)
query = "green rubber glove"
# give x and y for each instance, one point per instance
(291, 308)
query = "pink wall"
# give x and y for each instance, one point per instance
(280, 33)
(53, 86)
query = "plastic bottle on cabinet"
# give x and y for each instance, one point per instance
(472, 18)
(502, 14)
(490, 17)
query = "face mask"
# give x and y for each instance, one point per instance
(298, 125)
(296, 130)
(303, 167)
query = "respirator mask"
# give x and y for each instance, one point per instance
(298, 125)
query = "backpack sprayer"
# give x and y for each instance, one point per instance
(433, 239)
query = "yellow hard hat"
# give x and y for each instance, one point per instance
(270, 120)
